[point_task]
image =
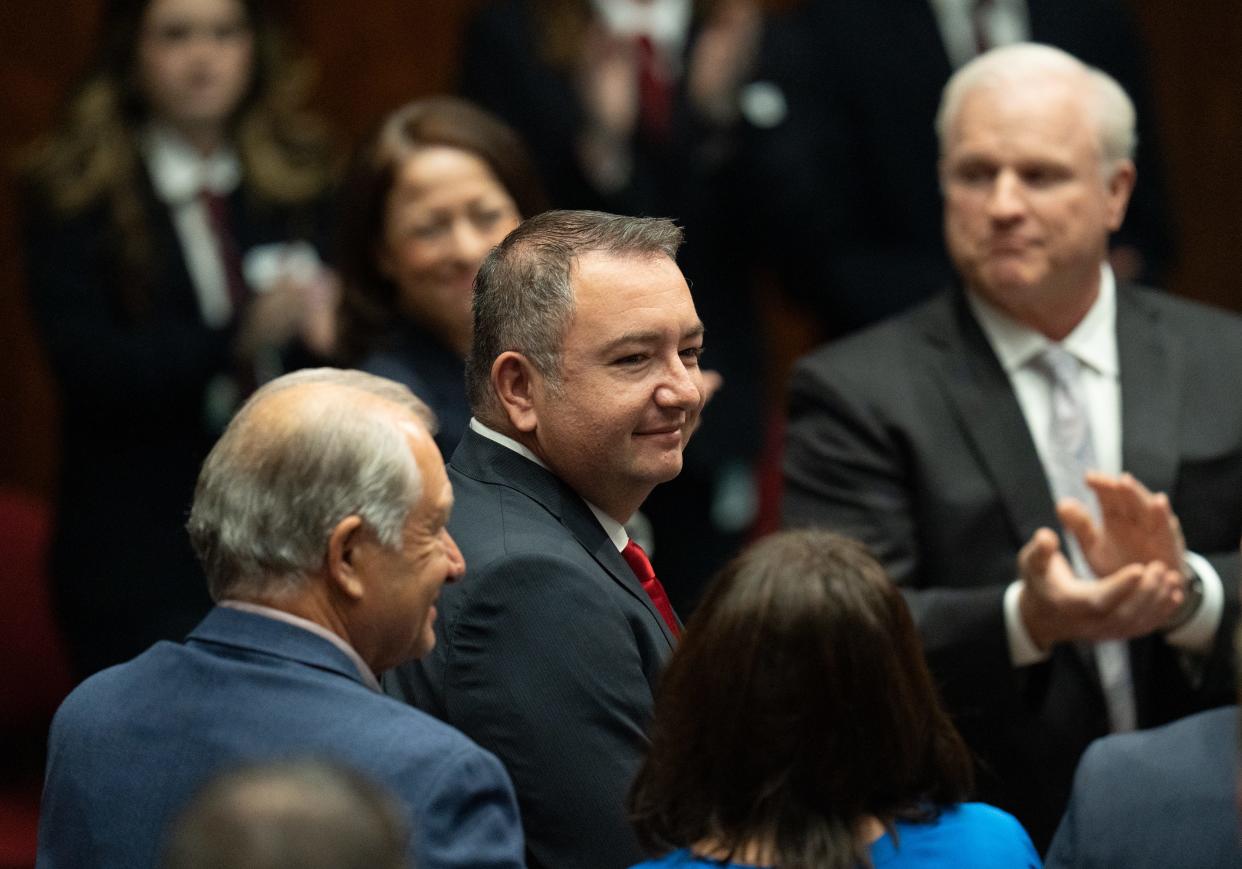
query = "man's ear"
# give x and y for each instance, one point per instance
(515, 381)
(1120, 186)
(344, 554)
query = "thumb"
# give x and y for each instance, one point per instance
(1077, 521)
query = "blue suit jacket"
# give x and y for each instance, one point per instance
(547, 654)
(1156, 798)
(131, 745)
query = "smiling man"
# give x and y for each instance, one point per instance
(319, 518)
(585, 384)
(1020, 450)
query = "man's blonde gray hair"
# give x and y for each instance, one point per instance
(273, 488)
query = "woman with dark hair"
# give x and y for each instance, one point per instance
(438, 186)
(797, 726)
(170, 228)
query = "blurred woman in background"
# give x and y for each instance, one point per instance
(436, 188)
(797, 726)
(171, 226)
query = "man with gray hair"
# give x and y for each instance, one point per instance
(585, 386)
(319, 518)
(1019, 451)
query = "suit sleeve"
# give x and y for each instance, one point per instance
(544, 671)
(849, 471)
(471, 819)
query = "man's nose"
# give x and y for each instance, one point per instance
(1007, 198)
(682, 388)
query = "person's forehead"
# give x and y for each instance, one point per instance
(1054, 105)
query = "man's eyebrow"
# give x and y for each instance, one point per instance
(648, 337)
(695, 331)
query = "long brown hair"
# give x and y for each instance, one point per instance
(92, 158)
(369, 298)
(797, 703)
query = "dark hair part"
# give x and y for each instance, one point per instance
(797, 703)
(93, 159)
(370, 299)
(299, 814)
(523, 298)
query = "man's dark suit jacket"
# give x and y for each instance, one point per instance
(132, 745)
(1155, 799)
(909, 437)
(547, 654)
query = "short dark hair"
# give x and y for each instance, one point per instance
(523, 298)
(369, 299)
(797, 703)
(292, 814)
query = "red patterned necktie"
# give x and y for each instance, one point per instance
(641, 565)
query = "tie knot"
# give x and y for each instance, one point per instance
(638, 562)
(1058, 363)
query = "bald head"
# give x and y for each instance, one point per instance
(306, 451)
(1027, 69)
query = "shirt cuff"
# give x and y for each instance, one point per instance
(1199, 632)
(1022, 649)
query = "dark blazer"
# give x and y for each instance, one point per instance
(909, 437)
(132, 389)
(846, 187)
(131, 746)
(1156, 798)
(411, 355)
(547, 653)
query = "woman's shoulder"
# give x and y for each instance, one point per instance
(681, 859)
(966, 835)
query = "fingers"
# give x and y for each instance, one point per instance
(1137, 600)
(1035, 557)
(1076, 519)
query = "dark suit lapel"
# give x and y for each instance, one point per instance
(979, 392)
(1151, 380)
(489, 462)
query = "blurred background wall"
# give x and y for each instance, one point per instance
(376, 55)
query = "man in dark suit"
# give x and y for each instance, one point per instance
(585, 385)
(1156, 798)
(845, 177)
(319, 517)
(952, 440)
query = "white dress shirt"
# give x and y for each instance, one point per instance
(1003, 22)
(1094, 344)
(179, 173)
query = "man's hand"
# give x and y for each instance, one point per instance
(1057, 606)
(1137, 526)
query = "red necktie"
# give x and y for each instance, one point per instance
(639, 563)
(218, 217)
(655, 93)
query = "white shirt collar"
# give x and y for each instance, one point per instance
(179, 172)
(1093, 341)
(315, 628)
(665, 22)
(614, 529)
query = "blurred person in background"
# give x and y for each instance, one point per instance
(293, 814)
(438, 186)
(797, 725)
(172, 221)
(634, 107)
